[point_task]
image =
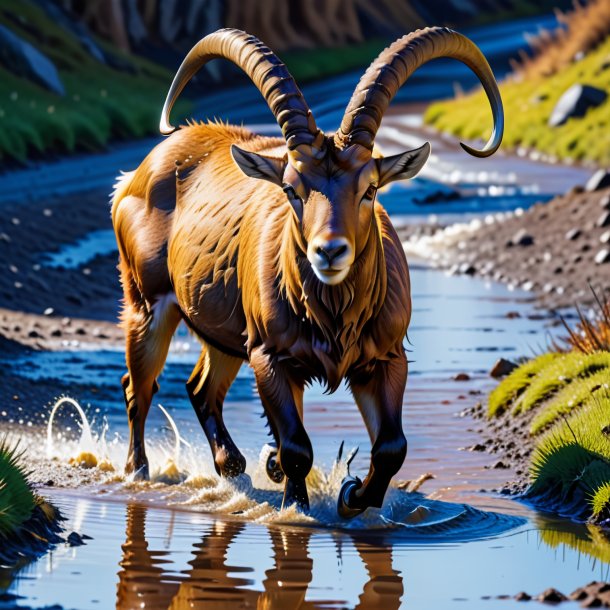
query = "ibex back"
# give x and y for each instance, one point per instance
(275, 252)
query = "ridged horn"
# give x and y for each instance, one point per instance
(389, 72)
(267, 72)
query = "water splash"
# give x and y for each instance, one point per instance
(86, 442)
(184, 477)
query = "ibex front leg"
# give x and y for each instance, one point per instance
(379, 398)
(282, 398)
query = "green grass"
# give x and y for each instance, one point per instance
(528, 105)
(569, 398)
(600, 502)
(320, 63)
(512, 386)
(101, 103)
(561, 372)
(17, 500)
(572, 461)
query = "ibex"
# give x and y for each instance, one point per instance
(275, 252)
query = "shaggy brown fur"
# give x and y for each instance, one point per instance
(291, 267)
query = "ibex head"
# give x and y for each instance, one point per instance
(331, 181)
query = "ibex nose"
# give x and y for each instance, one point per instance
(332, 253)
(331, 250)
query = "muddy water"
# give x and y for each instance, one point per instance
(188, 539)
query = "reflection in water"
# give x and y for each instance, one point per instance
(590, 541)
(146, 580)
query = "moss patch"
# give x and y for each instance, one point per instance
(101, 103)
(567, 398)
(528, 105)
(28, 524)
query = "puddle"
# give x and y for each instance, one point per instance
(72, 256)
(158, 559)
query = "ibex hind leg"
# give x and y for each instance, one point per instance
(148, 332)
(207, 387)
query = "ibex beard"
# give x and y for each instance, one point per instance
(275, 252)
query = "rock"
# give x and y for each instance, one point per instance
(24, 60)
(34, 334)
(591, 601)
(552, 596)
(599, 180)
(477, 447)
(512, 315)
(575, 102)
(500, 465)
(603, 220)
(48, 311)
(501, 368)
(605, 202)
(75, 539)
(461, 377)
(467, 269)
(573, 234)
(604, 238)
(523, 597)
(602, 257)
(521, 238)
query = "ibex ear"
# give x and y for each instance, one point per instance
(403, 166)
(258, 166)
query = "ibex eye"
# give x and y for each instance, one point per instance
(370, 193)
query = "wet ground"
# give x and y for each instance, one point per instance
(189, 539)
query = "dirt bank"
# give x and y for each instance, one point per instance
(554, 249)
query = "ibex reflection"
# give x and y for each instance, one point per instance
(275, 252)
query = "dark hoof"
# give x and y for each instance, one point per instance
(347, 503)
(138, 472)
(295, 492)
(230, 465)
(272, 466)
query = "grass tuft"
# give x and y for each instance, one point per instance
(17, 500)
(600, 502)
(591, 335)
(569, 398)
(558, 374)
(571, 463)
(515, 383)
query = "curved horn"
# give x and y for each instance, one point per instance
(392, 68)
(267, 72)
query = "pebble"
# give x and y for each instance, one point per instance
(603, 220)
(552, 596)
(573, 234)
(467, 269)
(521, 238)
(461, 377)
(523, 597)
(602, 257)
(604, 238)
(501, 368)
(605, 202)
(48, 311)
(500, 465)
(75, 539)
